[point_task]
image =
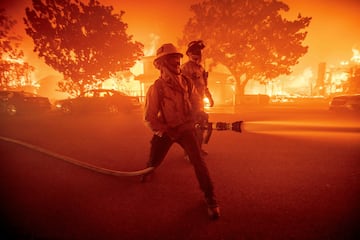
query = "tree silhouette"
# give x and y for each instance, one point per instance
(250, 38)
(87, 43)
(14, 72)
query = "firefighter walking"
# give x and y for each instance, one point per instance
(193, 70)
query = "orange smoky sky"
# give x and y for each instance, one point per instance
(332, 34)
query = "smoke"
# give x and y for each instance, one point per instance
(150, 49)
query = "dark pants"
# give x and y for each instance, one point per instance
(203, 120)
(188, 141)
(200, 136)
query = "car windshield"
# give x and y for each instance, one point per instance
(26, 94)
(91, 94)
(106, 94)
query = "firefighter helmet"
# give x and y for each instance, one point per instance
(195, 47)
(164, 50)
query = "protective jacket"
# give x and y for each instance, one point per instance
(196, 73)
(171, 104)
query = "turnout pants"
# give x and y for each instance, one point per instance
(189, 142)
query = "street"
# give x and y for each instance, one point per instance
(291, 174)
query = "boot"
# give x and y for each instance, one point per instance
(213, 208)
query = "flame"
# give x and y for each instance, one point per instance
(154, 40)
(356, 55)
(206, 102)
(138, 68)
(150, 50)
(14, 60)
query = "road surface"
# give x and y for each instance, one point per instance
(292, 174)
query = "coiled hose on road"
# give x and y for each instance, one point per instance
(79, 163)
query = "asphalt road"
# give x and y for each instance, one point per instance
(292, 174)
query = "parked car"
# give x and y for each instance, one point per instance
(99, 100)
(345, 103)
(20, 102)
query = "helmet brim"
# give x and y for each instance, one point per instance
(161, 56)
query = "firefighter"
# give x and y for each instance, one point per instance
(170, 108)
(197, 74)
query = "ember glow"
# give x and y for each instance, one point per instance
(158, 21)
(356, 56)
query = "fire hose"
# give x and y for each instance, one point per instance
(219, 126)
(236, 126)
(79, 163)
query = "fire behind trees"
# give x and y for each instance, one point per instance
(87, 43)
(250, 38)
(14, 71)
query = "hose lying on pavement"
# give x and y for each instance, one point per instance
(79, 163)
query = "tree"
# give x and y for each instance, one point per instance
(249, 37)
(14, 72)
(87, 43)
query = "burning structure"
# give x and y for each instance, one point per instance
(344, 78)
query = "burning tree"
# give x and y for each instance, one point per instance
(87, 43)
(14, 72)
(250, 38)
